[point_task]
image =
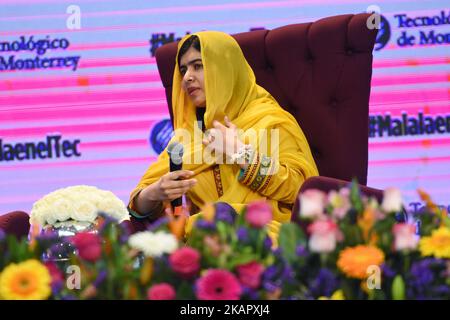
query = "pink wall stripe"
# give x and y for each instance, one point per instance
(78, 129)
(80, 81)
(56, 112)
(397, 180)
(410, 79)
(409, 62)
(396, 111)
(422, 143)
(433, 107)
(153, 76)
(409, 96)
(84, 97)
(195, 9)
(102, 162)
(409, 161)
(114, 144)
(129, 109)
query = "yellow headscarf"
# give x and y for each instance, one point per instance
(231, 89)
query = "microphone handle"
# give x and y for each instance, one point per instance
(178, 201)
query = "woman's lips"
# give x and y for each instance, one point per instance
(191, 91)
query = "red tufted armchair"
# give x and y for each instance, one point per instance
(320, 72)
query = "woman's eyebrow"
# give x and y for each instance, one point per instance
(191, 62)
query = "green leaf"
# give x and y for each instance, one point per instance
(355, 196)
(241, 259)
(398, 288)
(290, 237)
(185, 291)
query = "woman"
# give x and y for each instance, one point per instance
(214, 83)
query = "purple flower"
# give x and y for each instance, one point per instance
(421, 272)
(442, 290)
(301, 251)
(324, 284)
(422, 284)
(107, 218)
(288, 274)
(158, 223)
(250, 293)
(387, 271)
(100, 278)
(225, 212)
(106, 221)
(267, 243)
(270, 286)
(57, 287)
(205, 225)
(47, 238)
(123, 238)
(2, 235)
(270, 272)
(242, 234)
(277, 253)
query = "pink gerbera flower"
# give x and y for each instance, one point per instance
(218, 284)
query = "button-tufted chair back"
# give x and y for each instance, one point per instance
(320, 72)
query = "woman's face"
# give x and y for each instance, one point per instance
(191, 69)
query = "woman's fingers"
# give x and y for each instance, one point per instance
(229, 124)
(175, 193)
(175, 175)
(219, 126)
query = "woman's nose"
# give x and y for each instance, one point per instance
(188, 77)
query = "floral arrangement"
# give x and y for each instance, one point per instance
(351, 247)
(76, 204)
(345, 246)
(224, 258)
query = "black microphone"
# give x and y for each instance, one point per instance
(175, 151)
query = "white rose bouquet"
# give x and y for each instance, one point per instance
(77, 204)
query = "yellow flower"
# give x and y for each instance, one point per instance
(437, 245)
(355, 261)
(29, 280)
(146, 271)
(337, 295)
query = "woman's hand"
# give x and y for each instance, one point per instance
(170, 186)
(223, 139)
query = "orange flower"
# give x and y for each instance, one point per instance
(355, 261)
(177, 222)
(366, 222)
(429, 203)
(209, 212)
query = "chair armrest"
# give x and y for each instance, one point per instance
(16, 223)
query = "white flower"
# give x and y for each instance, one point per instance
(312, 203)
(77, 203)
(153, 244)
(325, 243)
(324, 234)
(84, 211)
(392, 200)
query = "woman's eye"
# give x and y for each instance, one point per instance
(183, 71)
(198, 66)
